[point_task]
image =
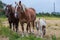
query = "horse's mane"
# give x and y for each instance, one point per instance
(24, 7)
(13, 9)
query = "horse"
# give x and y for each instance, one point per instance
(10, 14)
(26, 15)
(41, 27)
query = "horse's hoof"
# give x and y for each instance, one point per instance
(22, 35)
(32, 32)
(29, 32)
(37, 36)
(27, 35)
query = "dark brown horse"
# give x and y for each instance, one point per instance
(26, 16)
(13, 21)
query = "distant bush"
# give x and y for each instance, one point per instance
(2, 13)
(53, 14)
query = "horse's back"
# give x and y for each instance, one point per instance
(32, 9)
(32, 12)
(42, 22)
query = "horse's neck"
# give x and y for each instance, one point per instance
(24, 14)
(12, 13)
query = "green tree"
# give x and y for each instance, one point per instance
(1, 8)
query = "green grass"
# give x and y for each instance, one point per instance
(6, 32)
(29, 38)
(53, 37)
(49, 18)
(3, 18)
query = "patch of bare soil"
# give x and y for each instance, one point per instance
(53, 27)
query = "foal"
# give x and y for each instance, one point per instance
(41, 27)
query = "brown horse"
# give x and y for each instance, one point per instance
(13, 21)
(28, 16)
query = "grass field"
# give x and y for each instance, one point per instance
(11, 35)
(7, 34)
(49, 18)
(4, 18)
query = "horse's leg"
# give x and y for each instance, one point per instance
(13, 26)
(28, 27)
(16, 27)
(33, 26)
(22, 27)
(10, 25)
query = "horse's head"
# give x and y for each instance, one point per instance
(20, 8)
(7, 10)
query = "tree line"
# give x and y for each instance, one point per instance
(2, 12)
(52, 14)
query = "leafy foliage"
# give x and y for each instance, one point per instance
(53, 14)
(1, 8)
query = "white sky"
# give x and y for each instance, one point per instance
(38, 5)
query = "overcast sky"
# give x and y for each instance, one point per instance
(38, 5)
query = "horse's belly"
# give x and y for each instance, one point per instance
(23, 20)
